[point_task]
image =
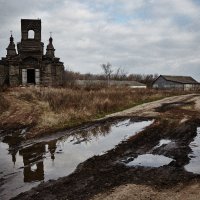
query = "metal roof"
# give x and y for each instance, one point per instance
(180, 79)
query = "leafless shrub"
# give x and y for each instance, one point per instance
(28, 96)
(4, 104)
(3, 88)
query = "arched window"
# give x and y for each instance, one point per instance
(31, 34)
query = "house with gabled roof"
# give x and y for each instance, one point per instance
(175, 82)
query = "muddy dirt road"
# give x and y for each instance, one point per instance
(150, 109)
(152, 163)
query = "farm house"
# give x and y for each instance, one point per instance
(175, 82)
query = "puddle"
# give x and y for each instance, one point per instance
(194, 165)
(162, 142)
(168, 106)
(150, 160)
(22, 169)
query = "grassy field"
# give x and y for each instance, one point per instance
(51, 109)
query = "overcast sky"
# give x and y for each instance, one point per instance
(141, 36)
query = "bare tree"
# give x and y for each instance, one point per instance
(123, 74)
(120, 74)
(107, 68)
(117, 74)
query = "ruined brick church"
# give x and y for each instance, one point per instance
(30, 66)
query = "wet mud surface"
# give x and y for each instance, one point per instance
(25, 164)
(169, 106)
(164, 155)
(102, 173)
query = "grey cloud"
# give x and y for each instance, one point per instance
(85, 35)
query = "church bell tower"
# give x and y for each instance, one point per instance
(31, 45)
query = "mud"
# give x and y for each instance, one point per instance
(169, 106)
(194, 164)
(24, 164)
(171, 135)
(102, 173)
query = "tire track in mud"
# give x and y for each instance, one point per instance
(102, 173)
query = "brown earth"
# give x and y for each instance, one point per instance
(142, 192)
(107, 177)
(149, 109)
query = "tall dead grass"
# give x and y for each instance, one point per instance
(4, 104)
(96, 102)
(56, 108)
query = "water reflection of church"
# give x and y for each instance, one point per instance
(34, 155)
(33, 159)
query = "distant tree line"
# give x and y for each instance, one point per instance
(110, 74)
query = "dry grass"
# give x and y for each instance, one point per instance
(96, 102)
(56, 108)
(4, 104)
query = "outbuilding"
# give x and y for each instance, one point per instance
(131, 84)
(175, 82)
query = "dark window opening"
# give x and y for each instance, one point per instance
(31, 76)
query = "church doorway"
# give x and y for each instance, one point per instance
(31, 76)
